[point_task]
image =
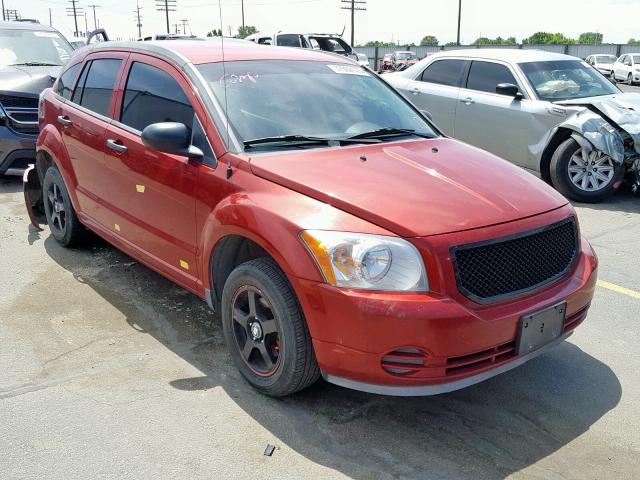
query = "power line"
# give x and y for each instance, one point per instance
(353, 5)
(95, 22)
(74, 11)
(139, 19)
(166, 6)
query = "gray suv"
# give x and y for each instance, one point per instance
(31, 56)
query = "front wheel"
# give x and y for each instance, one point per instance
(582, 175)
(630, 80)
(265, 329)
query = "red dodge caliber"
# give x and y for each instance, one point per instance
(333, 227)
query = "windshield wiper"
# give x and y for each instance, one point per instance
(389, 132)
(300, 140)
(35, 64)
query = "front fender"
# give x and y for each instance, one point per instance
(599, 134)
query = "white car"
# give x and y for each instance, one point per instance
(627, 68)
(602, 63)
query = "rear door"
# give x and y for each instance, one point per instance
(83, 122)
(158, 199)
(497, 123)
(436, 90)
(620, 69)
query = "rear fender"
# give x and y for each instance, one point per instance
(33, 197)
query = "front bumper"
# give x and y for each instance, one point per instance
(16, 151)
(424, 344)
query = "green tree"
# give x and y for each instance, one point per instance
(633, 41)
(495, 41)
(590, 38)
(378, 43)
(215, 33)
(429, 41)
(244, 32)
(540, 38)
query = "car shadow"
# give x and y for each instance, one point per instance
(623, 201)
(10, 184)
(487, 431)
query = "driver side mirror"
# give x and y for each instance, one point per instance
(173, 138)
(509, 90)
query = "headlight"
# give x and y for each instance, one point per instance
(371, 262)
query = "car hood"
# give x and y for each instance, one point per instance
(623, 109)
(23, 79)
(413, 188)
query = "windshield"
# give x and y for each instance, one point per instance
(406, 56)
(605, 59)
(566, 79)
(25, 47)
(306, 98)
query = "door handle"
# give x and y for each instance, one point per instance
(64, 120)
(113, 145)
(415, 90)
(468, 101)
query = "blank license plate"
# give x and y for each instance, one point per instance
(540, 328)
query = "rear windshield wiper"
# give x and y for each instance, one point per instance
(35, 64)
(301, 140)
(390, 132)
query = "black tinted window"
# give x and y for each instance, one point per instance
(289, 40)
(153, 96)
(486, 76)
(444, 72)
(97, 85)
(65, 82)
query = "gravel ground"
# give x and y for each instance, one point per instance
(110, 371)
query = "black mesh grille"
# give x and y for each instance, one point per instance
(512, 265)
(11, 101)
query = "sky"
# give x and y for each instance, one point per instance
(404, 21)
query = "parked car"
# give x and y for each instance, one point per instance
(31, 56)
(328, 42)
(403, 58)
(627, 68)
(167, 36)
(387, 62)
(335, 229)
(602, 63)
(547, 112)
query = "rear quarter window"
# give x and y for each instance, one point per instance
(64, 87)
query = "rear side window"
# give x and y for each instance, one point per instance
(153, 96)
(486, 76)
(289, 40)
(444, 72)
(96, 83)
(65, 82)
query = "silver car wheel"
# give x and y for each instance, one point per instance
(591, 171)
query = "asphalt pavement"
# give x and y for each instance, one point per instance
(110, 371)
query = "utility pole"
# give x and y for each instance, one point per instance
(459, 18)
(353, 5)
(86, 27)
(139, 19)
(50, 19)
(166, 6)
(175, 28)
(95, 22)
(74, 11)
(185, 22)
(242, 3)
(12, 14)
(3, 15)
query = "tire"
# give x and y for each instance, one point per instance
(61, 216)
(630, 80)
(562, 180)
(292, 365)
(613, 76)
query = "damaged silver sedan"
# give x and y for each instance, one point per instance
(550, 113)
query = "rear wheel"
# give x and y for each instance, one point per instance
(61, 217)
(265, 330)
(582, 175)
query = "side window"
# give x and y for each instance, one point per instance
(199, 139)
(485, 76)
(153, 96)
(444, 72)
(65, 82)
(77, 92)
(96, 88)
(288, 40)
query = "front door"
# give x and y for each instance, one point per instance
(497, 123)
(158, 198)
